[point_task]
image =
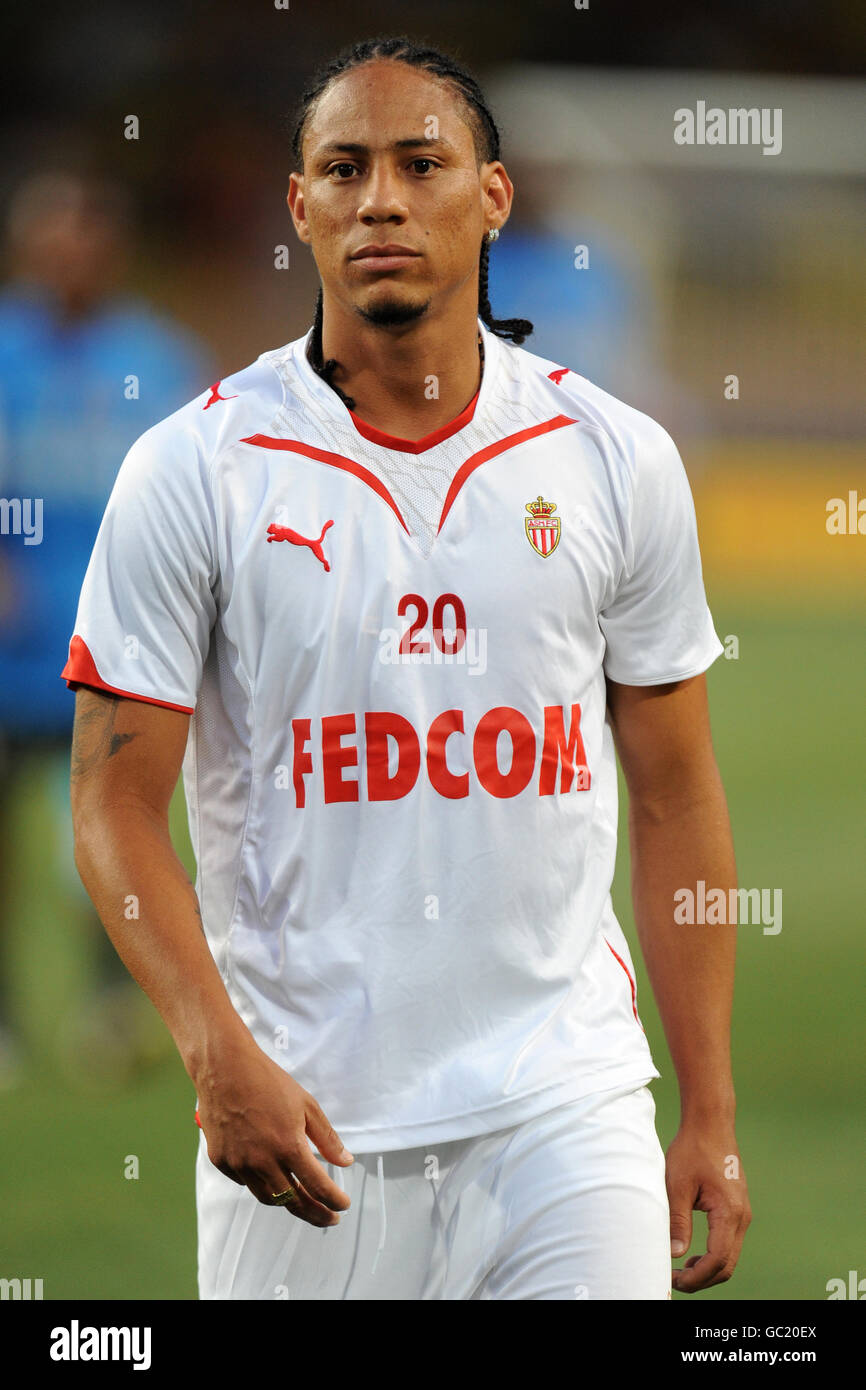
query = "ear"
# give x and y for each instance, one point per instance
(497, 192)
(295, 202)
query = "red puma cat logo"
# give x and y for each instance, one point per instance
(283, 533)
(215, 396)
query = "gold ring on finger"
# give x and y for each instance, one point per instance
(285, 1198)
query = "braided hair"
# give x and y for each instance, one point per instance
(485, 136)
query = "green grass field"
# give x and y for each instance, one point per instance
(789, 735)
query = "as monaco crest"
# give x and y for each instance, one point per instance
(542, 527)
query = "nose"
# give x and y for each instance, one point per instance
(383, 198)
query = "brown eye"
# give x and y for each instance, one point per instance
(350, 167)
(428, 162)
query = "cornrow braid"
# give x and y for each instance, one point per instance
(402, 49)
(314, 352)
(515, 329)
(485, 135)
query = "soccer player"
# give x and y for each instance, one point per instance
(391, 595)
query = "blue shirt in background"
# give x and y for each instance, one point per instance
(66, 423)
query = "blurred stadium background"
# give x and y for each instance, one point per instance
(154, 258)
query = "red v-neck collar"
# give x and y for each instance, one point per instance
(416, 446)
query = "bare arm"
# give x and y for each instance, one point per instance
(680, 832)
(126, 759)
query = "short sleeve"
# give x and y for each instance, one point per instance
(658, 626)
(147, 605)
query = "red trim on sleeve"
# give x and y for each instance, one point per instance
(630, 980)
(509, 442)
(80, 669)
(294, 446)
(416, 446)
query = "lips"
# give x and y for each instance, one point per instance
(389, 251)
(377, 258)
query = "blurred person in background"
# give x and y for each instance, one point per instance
(591, 293)
(84, 369)
(589, 305)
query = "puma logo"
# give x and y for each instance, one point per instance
(215, 396)
(284, 533)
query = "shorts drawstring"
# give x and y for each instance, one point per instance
(383, 1221)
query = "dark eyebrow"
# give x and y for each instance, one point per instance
(347, 147)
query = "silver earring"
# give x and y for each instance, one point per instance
(493, 234)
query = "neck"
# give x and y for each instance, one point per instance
(407, 380)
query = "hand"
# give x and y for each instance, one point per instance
(697, 1163)
(256, 1119)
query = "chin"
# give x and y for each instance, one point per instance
(392, 310)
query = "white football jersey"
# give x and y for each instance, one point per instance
(401, 784)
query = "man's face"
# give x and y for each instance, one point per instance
(74, 249)
(389, 161)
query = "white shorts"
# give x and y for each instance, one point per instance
(569, 1205)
